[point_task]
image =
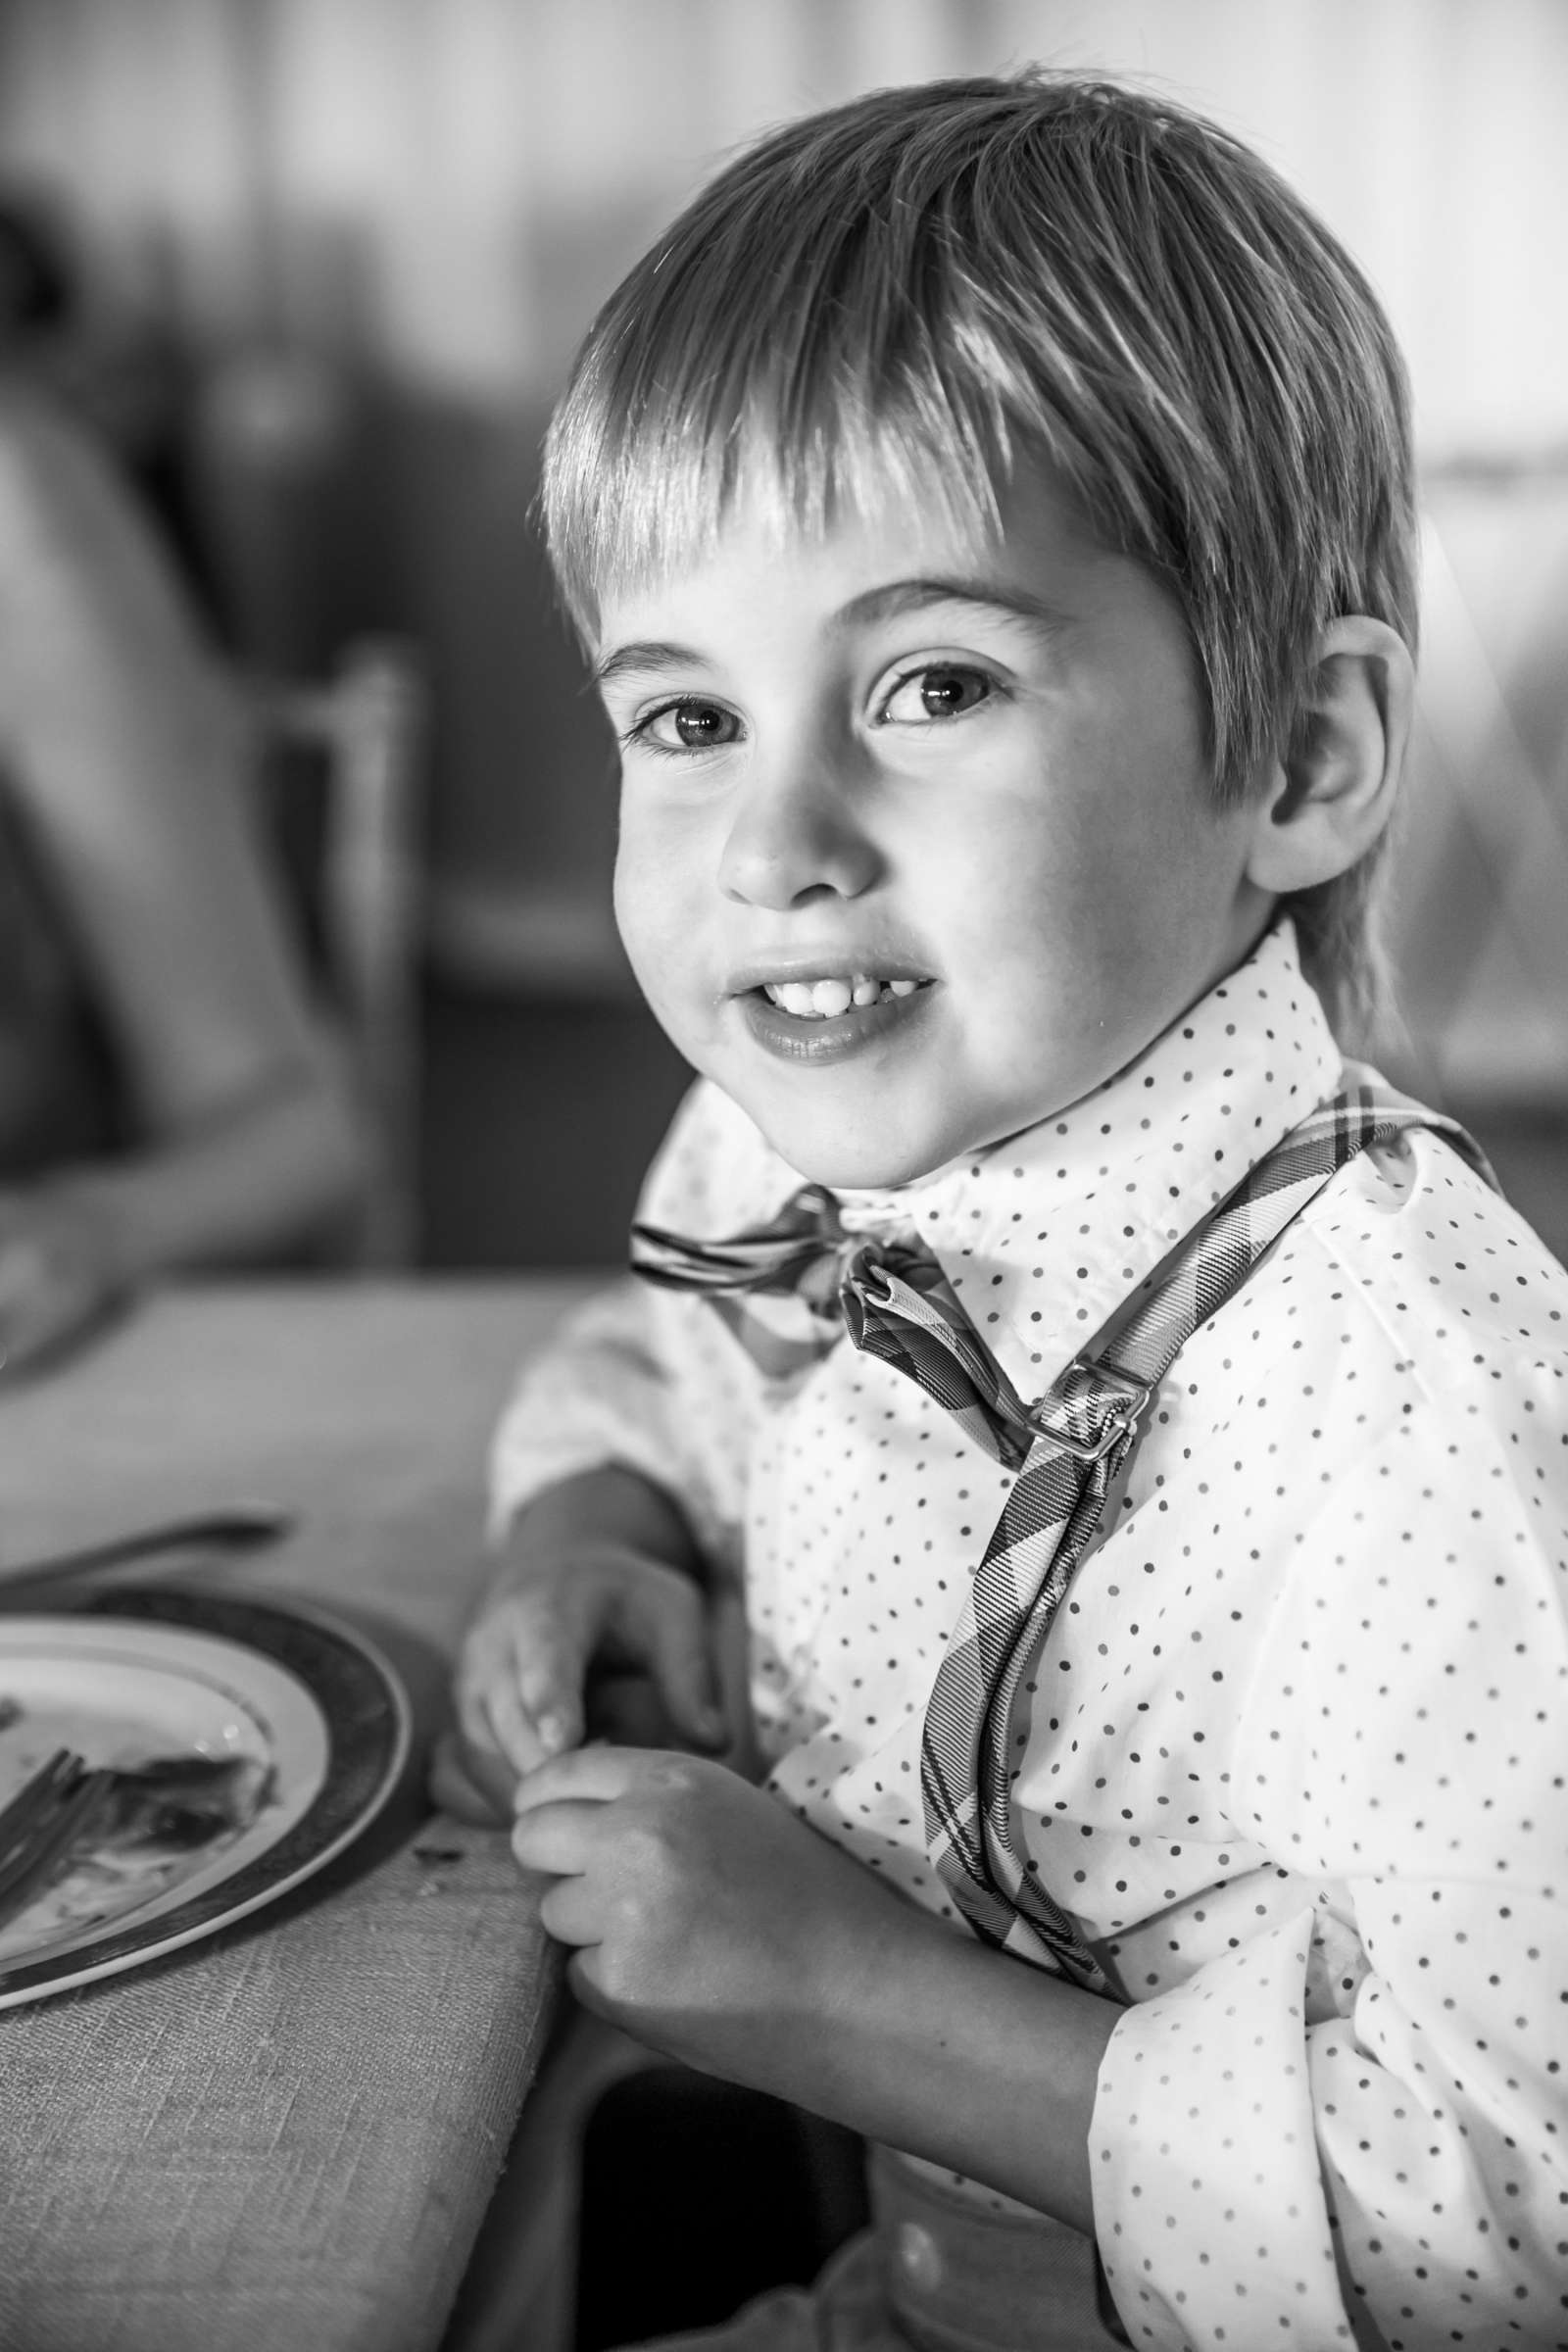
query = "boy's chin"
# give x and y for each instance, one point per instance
(846, 1163)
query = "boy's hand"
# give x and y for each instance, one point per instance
(708, 1920)
(475, 1783)
(596, 1642)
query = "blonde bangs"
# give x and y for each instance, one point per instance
(640, 476)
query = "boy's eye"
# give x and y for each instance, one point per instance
(689, 726)
(941, 690)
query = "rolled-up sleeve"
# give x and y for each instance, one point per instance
(1209, 2208)
(1376, 2154)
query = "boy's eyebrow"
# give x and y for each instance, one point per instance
(652, 654)
(645, 655)
(912, 596)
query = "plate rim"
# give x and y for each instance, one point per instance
(213, 1671)
(293, 1634)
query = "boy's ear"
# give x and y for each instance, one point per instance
(1333, 788)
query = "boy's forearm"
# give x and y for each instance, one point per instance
(610, 1507)
(937, 2044)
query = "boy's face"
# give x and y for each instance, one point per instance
(976, 782)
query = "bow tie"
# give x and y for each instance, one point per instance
(1069, 1447)
(890, 1296)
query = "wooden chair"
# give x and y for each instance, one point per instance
(342, 773)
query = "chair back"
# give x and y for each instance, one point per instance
(342, 768)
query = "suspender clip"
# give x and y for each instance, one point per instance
(1131, 1399)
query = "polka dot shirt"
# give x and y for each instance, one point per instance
(1294, 1752)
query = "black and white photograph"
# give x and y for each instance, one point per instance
(784, 1175)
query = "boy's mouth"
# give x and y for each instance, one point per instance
(819, 1021)
(825, 999)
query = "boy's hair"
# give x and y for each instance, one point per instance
(910, 292)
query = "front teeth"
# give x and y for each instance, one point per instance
(822, 1000)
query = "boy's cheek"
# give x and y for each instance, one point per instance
(679, 987)
(654, 916)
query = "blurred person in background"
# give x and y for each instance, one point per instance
(168, 1101)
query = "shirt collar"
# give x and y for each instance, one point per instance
(1045, 1234)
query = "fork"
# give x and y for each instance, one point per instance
(50, 1813)
(240, 1527)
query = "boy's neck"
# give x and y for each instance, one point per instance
(1266, 991)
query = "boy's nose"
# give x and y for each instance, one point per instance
(792, 836)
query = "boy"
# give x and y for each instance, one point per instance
(990, 514)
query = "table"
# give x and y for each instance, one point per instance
(287, 2136)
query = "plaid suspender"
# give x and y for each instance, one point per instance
(1068, 1449)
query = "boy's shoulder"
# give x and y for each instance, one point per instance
(1394, 1445)
(1438, 1274)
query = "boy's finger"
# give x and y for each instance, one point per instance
(512, 1727)
(557, 1838)
(587, 1777)
(514, 1695)
(476, 1678)
(675, 1636)
(543, 1709)
(550, 1653)
(568, 1912)
(460, 1788)
(488, 1765)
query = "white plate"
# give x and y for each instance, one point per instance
(176, 1672)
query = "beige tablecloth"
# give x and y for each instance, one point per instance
(287, 2137)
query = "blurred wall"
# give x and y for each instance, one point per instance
(460, 181)
(422, 201)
